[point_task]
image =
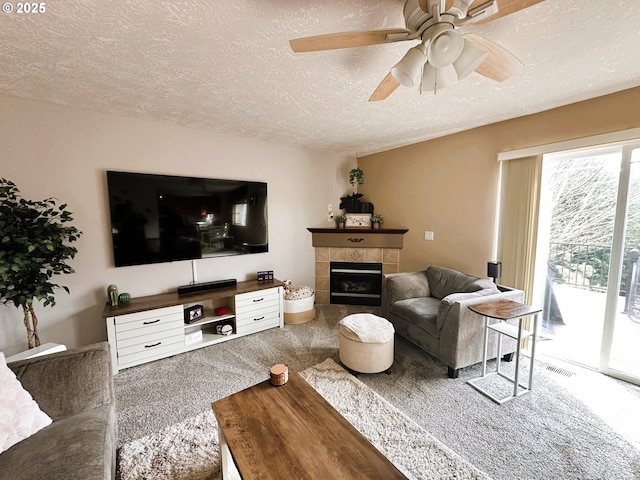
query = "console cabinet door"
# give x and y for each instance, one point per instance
(144, 336)
(256, 311)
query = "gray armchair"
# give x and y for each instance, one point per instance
(430, 309)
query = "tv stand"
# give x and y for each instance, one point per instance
(153, 327)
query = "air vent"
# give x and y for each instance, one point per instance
(554, 369)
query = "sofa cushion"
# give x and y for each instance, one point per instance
(444, 281)
(20, 415)
(421, 312)
(80, 446)
(68, 382)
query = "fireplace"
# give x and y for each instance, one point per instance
(355, 283)
(353, 246)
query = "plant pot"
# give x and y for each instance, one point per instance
(340, 225)
(375, 226)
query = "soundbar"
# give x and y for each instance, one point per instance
(206, 286)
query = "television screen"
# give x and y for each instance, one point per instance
(162, 218)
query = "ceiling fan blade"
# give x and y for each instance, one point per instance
(334, 41)
(500, 64)
(387, 86)
(507, 7)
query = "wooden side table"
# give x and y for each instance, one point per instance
(504, 310)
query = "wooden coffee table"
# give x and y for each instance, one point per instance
(290, 431)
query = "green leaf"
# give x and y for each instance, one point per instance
(34, 246)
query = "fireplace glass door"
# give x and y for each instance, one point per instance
(356, 283)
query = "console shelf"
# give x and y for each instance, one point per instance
(153, 327)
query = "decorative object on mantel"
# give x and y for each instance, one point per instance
(351, 203)
(356, 177)
(376, 220)
(341, 220)
(358, 220)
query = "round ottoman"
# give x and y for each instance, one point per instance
(366, 343)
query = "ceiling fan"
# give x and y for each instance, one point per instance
(443, 54)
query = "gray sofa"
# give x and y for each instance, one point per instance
(430, 309)
(75, 388)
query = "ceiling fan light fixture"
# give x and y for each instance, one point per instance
(408, 69)
(445, 48)
(434, 79)
(471, 58)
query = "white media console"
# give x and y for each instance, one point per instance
(153, 327)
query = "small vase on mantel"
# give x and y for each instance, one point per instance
(375, 225)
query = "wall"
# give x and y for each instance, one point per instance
(50, 150)
(449, 185)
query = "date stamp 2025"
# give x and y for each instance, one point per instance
(24, 7)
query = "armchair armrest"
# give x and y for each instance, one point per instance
(461, 302)
(461, 329)
(68, 382)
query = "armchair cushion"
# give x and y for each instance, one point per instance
(421, 312)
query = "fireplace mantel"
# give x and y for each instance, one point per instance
(357, 237)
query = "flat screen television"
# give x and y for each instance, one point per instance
(163, 218)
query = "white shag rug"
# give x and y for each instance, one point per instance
(189, 450)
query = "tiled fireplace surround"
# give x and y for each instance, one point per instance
(382, 246)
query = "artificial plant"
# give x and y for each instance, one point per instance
(35, 245)
(356, 177)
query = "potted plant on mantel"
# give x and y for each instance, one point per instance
(35, 244)
(340, 220)
(376, 220)
(356, 177)
(351, 203)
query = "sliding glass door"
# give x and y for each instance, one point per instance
(621, 333)
(587, 258)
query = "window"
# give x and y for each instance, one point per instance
(239, 215)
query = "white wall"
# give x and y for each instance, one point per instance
(49, 150)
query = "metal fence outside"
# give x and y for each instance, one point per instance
(587, 266)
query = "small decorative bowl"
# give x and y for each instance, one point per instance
(124, 298)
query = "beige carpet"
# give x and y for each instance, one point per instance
(189, 449)
(583, 427)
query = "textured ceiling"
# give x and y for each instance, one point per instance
(227, 66)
